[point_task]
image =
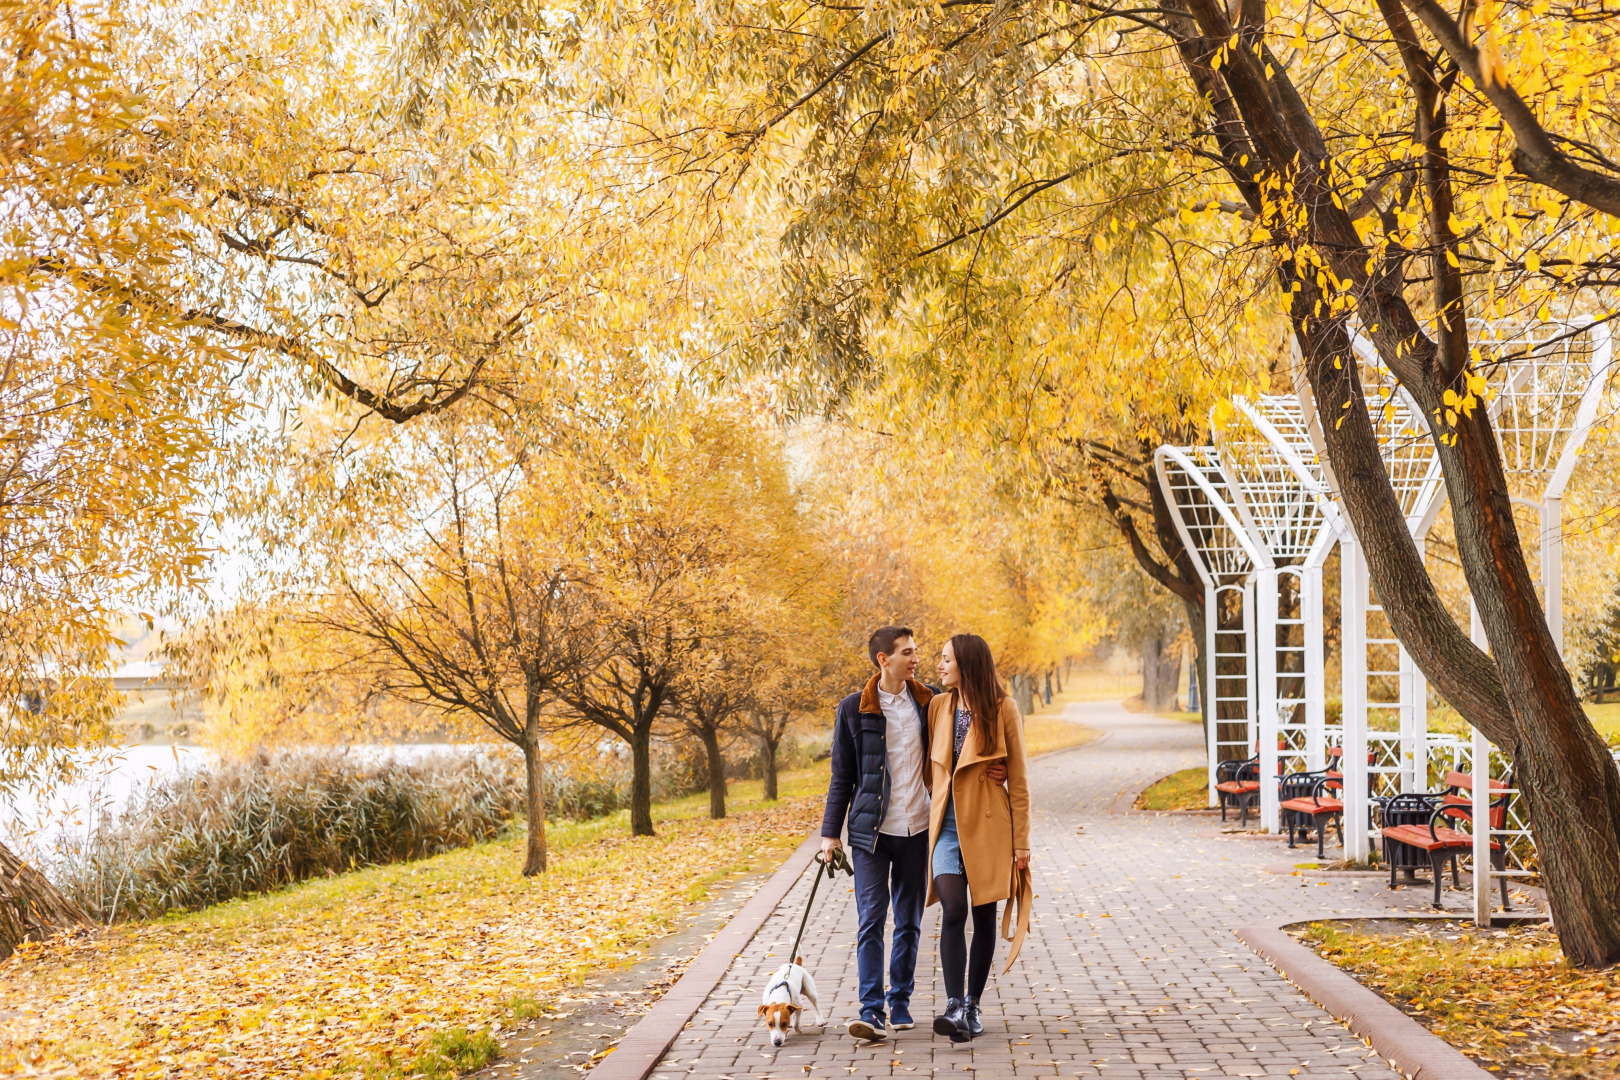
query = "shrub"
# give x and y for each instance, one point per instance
(205, 836)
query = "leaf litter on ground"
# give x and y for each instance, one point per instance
(390, 971)
(1504, 997)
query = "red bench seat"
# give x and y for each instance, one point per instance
(1314, 806)
(1441, 843)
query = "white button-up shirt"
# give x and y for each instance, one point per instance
(907, 812)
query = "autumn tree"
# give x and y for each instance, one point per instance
(994, 197)
(710, 701)
(481, 616)
(108, 416)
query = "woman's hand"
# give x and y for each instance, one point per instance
(1021, 860)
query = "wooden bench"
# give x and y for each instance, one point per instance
(1414, 827)
(1238, 782)
(1308, 800)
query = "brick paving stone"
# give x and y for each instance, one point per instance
(1130, 971)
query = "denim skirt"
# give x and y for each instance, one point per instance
(948, 848)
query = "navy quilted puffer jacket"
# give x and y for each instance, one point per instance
(860, 763)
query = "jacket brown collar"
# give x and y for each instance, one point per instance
(869, 696)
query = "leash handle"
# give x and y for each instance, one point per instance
(838, 861)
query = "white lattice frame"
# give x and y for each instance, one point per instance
(1414, 471)
(1427, 498)
(1550, 508)
(1281, 422)
(1219, 570)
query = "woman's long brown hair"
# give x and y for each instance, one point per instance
(981, 690)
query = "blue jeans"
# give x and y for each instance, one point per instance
(896, 871)
(948, 848)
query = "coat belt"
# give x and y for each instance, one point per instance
(1022, 893)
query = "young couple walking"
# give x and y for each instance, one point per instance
(932, 782)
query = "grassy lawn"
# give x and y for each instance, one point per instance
(1096, 686)
(1606, 718)
(1184, 790)
(1045, 733)
(1503, 997)
(384, 972)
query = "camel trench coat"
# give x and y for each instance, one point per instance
(991, 820)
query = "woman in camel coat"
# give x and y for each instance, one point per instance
(978, 831)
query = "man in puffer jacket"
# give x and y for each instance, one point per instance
(879, 765)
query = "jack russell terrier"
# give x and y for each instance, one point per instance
(788, 986)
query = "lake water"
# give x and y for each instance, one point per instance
(34, 823)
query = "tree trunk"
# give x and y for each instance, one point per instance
(767, 749)
(1195, 625)
(31, 908)
(534, 805)
(717, 772)
(1161, 670)
(1570, 783)
(641, 823)
(1023, 692)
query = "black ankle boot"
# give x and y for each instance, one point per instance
(951, 1023)
(970, 1017)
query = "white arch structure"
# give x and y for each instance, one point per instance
(1384, 694)
(1548, 381)
(1199, 497)
(1261, 506)
(1279, 495)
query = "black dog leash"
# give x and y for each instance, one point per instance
(838, 861)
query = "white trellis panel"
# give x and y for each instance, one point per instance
(1280, 497)
(1385, 696)
(1546, 383)
(1196, 489)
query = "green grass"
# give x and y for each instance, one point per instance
(1606, 718)
(447, 1055)
(493, 857)
(1184, 790)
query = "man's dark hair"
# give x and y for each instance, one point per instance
(883, 639)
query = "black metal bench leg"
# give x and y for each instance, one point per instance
(1456, 882)
(1321, 837)
(1437, 866)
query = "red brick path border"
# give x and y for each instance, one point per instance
(1403, 1042)
(638, 1052)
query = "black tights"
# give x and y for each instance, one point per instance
(954, 957)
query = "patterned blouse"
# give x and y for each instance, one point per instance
(964, 720)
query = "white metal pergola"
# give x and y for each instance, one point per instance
(1280, 496)
(1548, 381)
(1196, 489)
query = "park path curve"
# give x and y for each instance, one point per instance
(1130, 970)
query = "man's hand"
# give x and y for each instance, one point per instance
(1021, 860)
(997, 771)
(829, 844)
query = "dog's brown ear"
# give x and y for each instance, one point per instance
(799, 960)
(795, 1008)
(761, 1011)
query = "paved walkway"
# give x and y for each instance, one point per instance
(1130, 970)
